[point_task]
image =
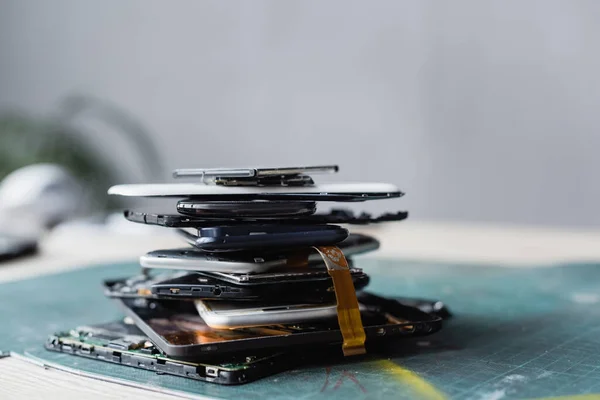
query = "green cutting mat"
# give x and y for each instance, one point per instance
(517, 333)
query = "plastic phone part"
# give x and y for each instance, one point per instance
(348, 312)
(283, 180)
(251, 172)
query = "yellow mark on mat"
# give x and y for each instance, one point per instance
(421, 388)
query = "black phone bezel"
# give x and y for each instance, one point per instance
(428, 324)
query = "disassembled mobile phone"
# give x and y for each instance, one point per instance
(178, 330)
(125, 344)
(292, 176)
(196, 260)
(336, 216)
(259, 209)
(206, 286)
(288, 274)
(263, 236)
(325, 192)
(281, 180)
(181, 286)
(228, 315)
(252, 172)
(246, 263)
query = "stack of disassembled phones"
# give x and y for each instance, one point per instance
(264, 282)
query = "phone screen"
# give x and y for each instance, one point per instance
(185, 327)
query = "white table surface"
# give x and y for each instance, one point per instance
(510, 246)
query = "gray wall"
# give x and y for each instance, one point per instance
(480, 110)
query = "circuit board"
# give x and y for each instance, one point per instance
(124, 344)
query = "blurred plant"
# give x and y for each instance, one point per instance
(26, 140)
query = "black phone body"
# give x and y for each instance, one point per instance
(195, 286)
(264, 236)
(335, 216)
(246, 209)
(251, 262)
(178, 330)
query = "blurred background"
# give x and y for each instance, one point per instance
(479, 111)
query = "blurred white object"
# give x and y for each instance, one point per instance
(39, 195)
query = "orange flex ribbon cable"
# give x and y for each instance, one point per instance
(348, 312)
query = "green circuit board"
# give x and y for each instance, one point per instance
(121, 343)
